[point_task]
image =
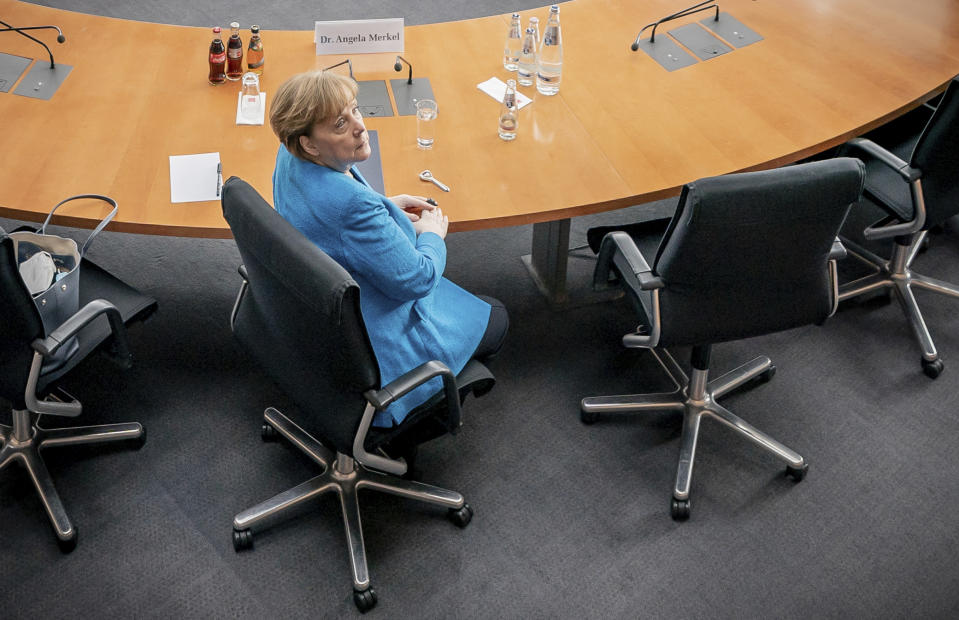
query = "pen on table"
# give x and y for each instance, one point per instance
(219, 178)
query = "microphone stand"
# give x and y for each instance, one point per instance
(399, 67)
(60, 37)
(696, 8)
(347, 62)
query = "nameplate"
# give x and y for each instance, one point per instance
(359, 36)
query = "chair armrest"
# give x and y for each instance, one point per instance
(837, 251)
(381, 398)
(403, 384)
(908, 174)
(619, 244)
(72, 326)
(44, 347)
(619, 248)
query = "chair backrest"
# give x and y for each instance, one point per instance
(746, 254)
(937, 156)
(300, 319)
(20, 324)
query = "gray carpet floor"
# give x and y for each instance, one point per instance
(572, 521)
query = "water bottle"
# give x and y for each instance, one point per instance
(549, 71)
(514, 42)
(534, 24)
(507, 113)
(527, 60)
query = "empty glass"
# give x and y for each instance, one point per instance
(250, 107)
(425, 122)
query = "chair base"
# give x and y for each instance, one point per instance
(695, 397)
(22, 443)
(344, 476)
(895, 275)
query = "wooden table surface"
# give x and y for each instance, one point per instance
(622, 130)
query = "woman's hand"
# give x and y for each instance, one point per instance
(432, 221)
(413, 206)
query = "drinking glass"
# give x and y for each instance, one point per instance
(425, 122)
(250, 108)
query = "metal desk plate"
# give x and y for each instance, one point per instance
(373, 98)
(405, 95)
(732, 30)
(665, 51)
(11, 68)
(42, 81)
(372, 168)
(700, 41)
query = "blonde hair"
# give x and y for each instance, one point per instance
(305, 100)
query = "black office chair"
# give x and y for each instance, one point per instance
(744, 255)
(31, 385)
(298, 313)
(913, 197)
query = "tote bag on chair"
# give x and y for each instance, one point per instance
(50, 269)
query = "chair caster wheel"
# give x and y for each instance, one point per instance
(242, 539)
(365, 600)
(68, 545)
(797, 473)
(268, 433)
(933, 368)
(679, 509)
(140, 441)
(767, 375)
(587, 417)
(460, 517)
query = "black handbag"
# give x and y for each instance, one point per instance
(50, 268)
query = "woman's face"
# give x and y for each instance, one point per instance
(339, 142)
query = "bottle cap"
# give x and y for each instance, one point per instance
(254, 29)
(234, 25)
(515, 15)
(216, 30)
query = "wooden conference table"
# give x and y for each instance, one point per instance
(622, 131)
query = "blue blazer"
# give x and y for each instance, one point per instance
(412, 313)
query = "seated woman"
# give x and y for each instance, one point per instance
(393, 247)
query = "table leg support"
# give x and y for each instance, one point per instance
(547, 262)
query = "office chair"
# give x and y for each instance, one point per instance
(913, 197)
(298, 313)
(744, 255)
(30, 383)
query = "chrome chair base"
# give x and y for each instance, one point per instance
(22, 443)
(896, 275)
(696, 396)
(344, 476)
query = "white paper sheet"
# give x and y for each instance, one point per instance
(240, 120)
(194, 178)
(496, 88)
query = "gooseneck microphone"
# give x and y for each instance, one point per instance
(399, 67)
(60, 37)
(696, 8)
(347, 62)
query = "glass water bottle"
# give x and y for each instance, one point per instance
(549, 71)
(507, 113)
(526, 67)
(514, 42)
